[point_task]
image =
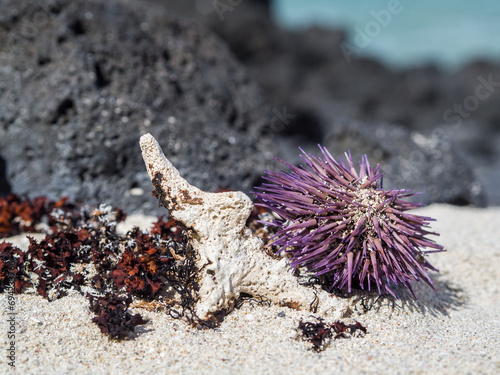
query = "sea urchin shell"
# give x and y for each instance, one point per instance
(337, 221)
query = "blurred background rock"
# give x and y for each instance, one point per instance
(224, 85)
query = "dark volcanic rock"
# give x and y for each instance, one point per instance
(80, 81)
(307, 72)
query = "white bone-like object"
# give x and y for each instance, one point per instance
(230, 257)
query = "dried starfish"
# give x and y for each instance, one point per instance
(230, 257)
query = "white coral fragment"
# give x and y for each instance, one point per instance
(230, 257)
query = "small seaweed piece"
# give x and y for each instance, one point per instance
(252, 301)
(113, 317)
(343, 330)
(319, 333)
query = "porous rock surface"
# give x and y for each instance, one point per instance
(80, 81)
(230, 258)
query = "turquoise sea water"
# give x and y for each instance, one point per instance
(449, 33)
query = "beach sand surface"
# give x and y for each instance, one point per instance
(456, 331)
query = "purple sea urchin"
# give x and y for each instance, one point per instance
(338, 221)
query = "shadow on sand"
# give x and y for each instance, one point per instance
(450, 297)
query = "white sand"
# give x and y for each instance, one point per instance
(454, 332)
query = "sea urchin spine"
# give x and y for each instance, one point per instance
(335, 220)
